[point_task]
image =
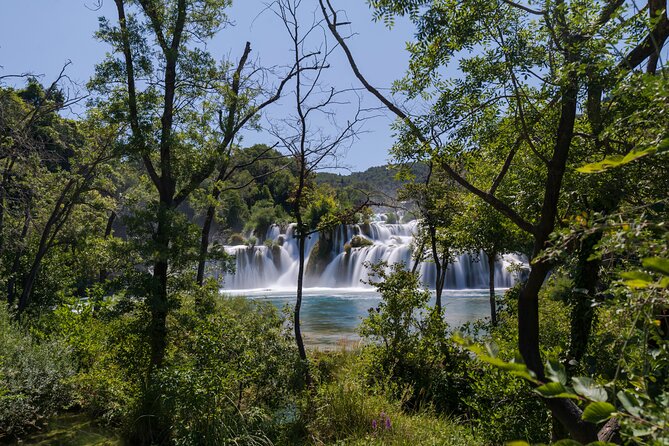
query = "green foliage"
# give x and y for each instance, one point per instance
(229, 372)
(321, 208)
(34, 379)
(264, 214)
(349, 411)
(409, 347)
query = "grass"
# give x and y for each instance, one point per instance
(73, 430)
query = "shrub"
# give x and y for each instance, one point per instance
(33, 378)
(110, 352)
(237, 239)
(391, 218)
(410, 345)
(229, 375)
(349, 412)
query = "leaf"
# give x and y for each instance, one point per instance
(588, 388)
(555, 390)
(637, 279)
(551, 389)
(630, 403)
(517, 443)
(657, 264)
(487, 355)
(556, 371)
(566, 442)
(618, 160)
(597, 412)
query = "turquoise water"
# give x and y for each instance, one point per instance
(331, 316)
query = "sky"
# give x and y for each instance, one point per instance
(40, 36)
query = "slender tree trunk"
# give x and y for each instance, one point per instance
(491, 286)
(11, 282)
(58, 217)
(159, 296)
(298, 304)
(204, 242)
(440, 270)
(419, 258)
(585, 284)
(104, 274)
(3, 194)
(298, 301)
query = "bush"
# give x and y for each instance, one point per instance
(33, 378)
(349, 412)
(110, 352)
(230, 373)
(237, 239)
(410, 346)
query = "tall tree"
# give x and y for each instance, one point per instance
(481, 229)
(311, 148)
(547, 44)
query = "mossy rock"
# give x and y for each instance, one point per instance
(237, 239)
(358, 241)
(318, 260)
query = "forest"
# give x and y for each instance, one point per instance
(522, 129)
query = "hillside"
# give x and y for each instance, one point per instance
(378, 179)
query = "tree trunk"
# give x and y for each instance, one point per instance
(104, 274)
(440, 271)
(159, 296)
(585, 284)
(491, 285)
(419, 258)
(204, 242)
(11, 282)
(298, 303)
(3, 193)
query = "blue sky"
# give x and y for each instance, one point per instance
(39, 36)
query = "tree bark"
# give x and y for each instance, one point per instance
(104, 274)
(585, 287)
(440, 270)
(16, 263)
(491, 286)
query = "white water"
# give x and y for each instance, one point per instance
(260, 267)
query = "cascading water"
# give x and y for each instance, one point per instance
(275, 265)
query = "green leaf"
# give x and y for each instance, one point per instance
(555, 390)
(618, 160)
(556, 371)
(657, 264)
(588, 388)
(630, 403)
(517, 443)
(567, 442)
(597, 412)
(637, 279)
(551, 389)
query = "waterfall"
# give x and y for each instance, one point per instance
(274, 265)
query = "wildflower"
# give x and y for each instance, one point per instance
(374, 424)
(388, 425)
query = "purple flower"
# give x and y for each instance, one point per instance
(388, 425)
(374, 424)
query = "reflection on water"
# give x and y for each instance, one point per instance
(332, 315)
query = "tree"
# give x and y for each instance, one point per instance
(311, 149)
(437, 203)
(556, 47)
(481, 228)
(51, 167)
